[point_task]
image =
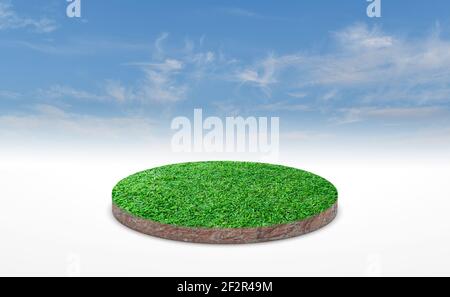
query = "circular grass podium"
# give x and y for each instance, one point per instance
(224, 202)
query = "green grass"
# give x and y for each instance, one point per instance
(224, 195)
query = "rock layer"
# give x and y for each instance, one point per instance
(226, 235)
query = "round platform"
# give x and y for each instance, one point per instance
(224, 202)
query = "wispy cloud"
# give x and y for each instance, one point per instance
(159, 49)
(364, 56)
(301, 135)
(298, 95)
(169, 74)
(369, 73)
(78, 46)
(246, 13)
(9, 19)
(236, 11)
(359, 37)
(164, 79)
(117, 91)
(267, 71)
(284, 106)
(67, 92)
(5, 94)
(358, 114)
(159, 83)
(68, 127)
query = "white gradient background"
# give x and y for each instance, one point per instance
(393, 218)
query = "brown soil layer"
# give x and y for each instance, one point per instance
(225, 236)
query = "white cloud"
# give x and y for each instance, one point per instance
(366, 68)
(358, 114)
(166, 78)
(382, 63)
(170, 74)
(159, 50)
(50, 123)
(236, 11)
(405, 112)
(245, 13)
(360, 37)
(266, 72)
(9, 19)
(204, 58)
(298, 95)
(167, 66)
(250, 75)
(284, 106)
(77, 46)
(159, 83)
(374, 66)
(117, 91)
(50, 111)
(4, 94)
(306, 136)
(329, 95)
(66, 92)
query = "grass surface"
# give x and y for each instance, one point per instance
(224, 195)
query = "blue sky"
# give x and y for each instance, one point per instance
(323, 66)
